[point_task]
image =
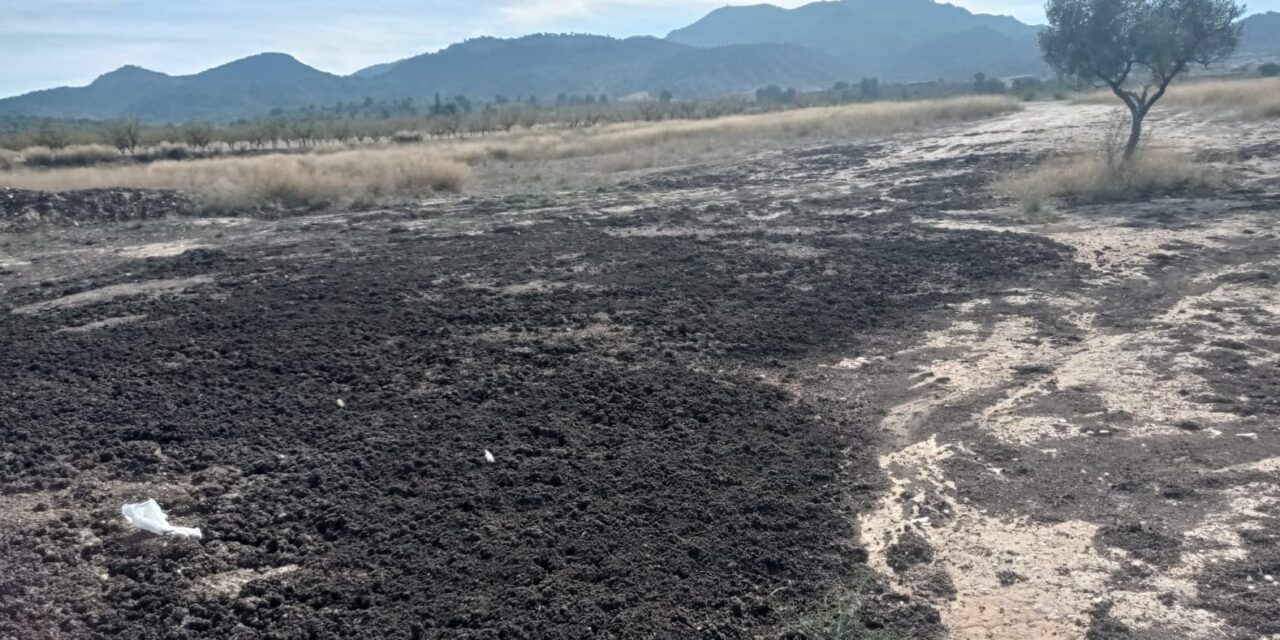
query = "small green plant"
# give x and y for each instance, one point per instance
(845, 625)
(839, 618)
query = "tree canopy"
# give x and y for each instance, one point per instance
(1137, 47)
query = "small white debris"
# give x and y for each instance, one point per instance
(1213, 433)
(149, 517)
(851, 363)
(1247, 436)
(1269, 578)
(488, 457)
(342, 404)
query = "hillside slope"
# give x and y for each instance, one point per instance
(894, 39)
(546, 65)
(243, 88)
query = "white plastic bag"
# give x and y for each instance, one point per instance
(149, 517)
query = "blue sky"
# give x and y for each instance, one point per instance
(46, 43)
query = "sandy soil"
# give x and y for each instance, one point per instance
(1056, 441)
(734, 400)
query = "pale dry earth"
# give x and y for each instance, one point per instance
(1122, 371)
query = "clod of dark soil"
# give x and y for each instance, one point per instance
(1009, 578)
(1240, 591)
(1104, 626)
(909, 550)
(1144, 541)
(931, 581)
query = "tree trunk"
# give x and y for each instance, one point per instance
(1137, 114)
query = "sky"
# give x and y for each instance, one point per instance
(48, 43)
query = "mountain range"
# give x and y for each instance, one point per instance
(731, 50)
(538, 65)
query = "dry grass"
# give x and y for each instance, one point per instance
(1093, 178)
(407, 169)
(1254, 99)
(850, 121)
(348, 177)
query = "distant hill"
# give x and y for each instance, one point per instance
(1261, 34)
(243, 88)
(547, 65)
(114, 92)
(375, 70)
(891, 39)
(542, 65)
(239, 89)
(538, 65)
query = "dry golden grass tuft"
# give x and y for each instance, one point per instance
(405, 169)
(1254, 98)
(858, 120)
(1095, 178)
(295, 181)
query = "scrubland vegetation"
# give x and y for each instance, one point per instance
(1109, 173)
(1254, 98)
(1097, 177)
(453, 117)
(344, 177)
(417, 165)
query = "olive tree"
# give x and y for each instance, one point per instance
(1137, 47)
(125, 135)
